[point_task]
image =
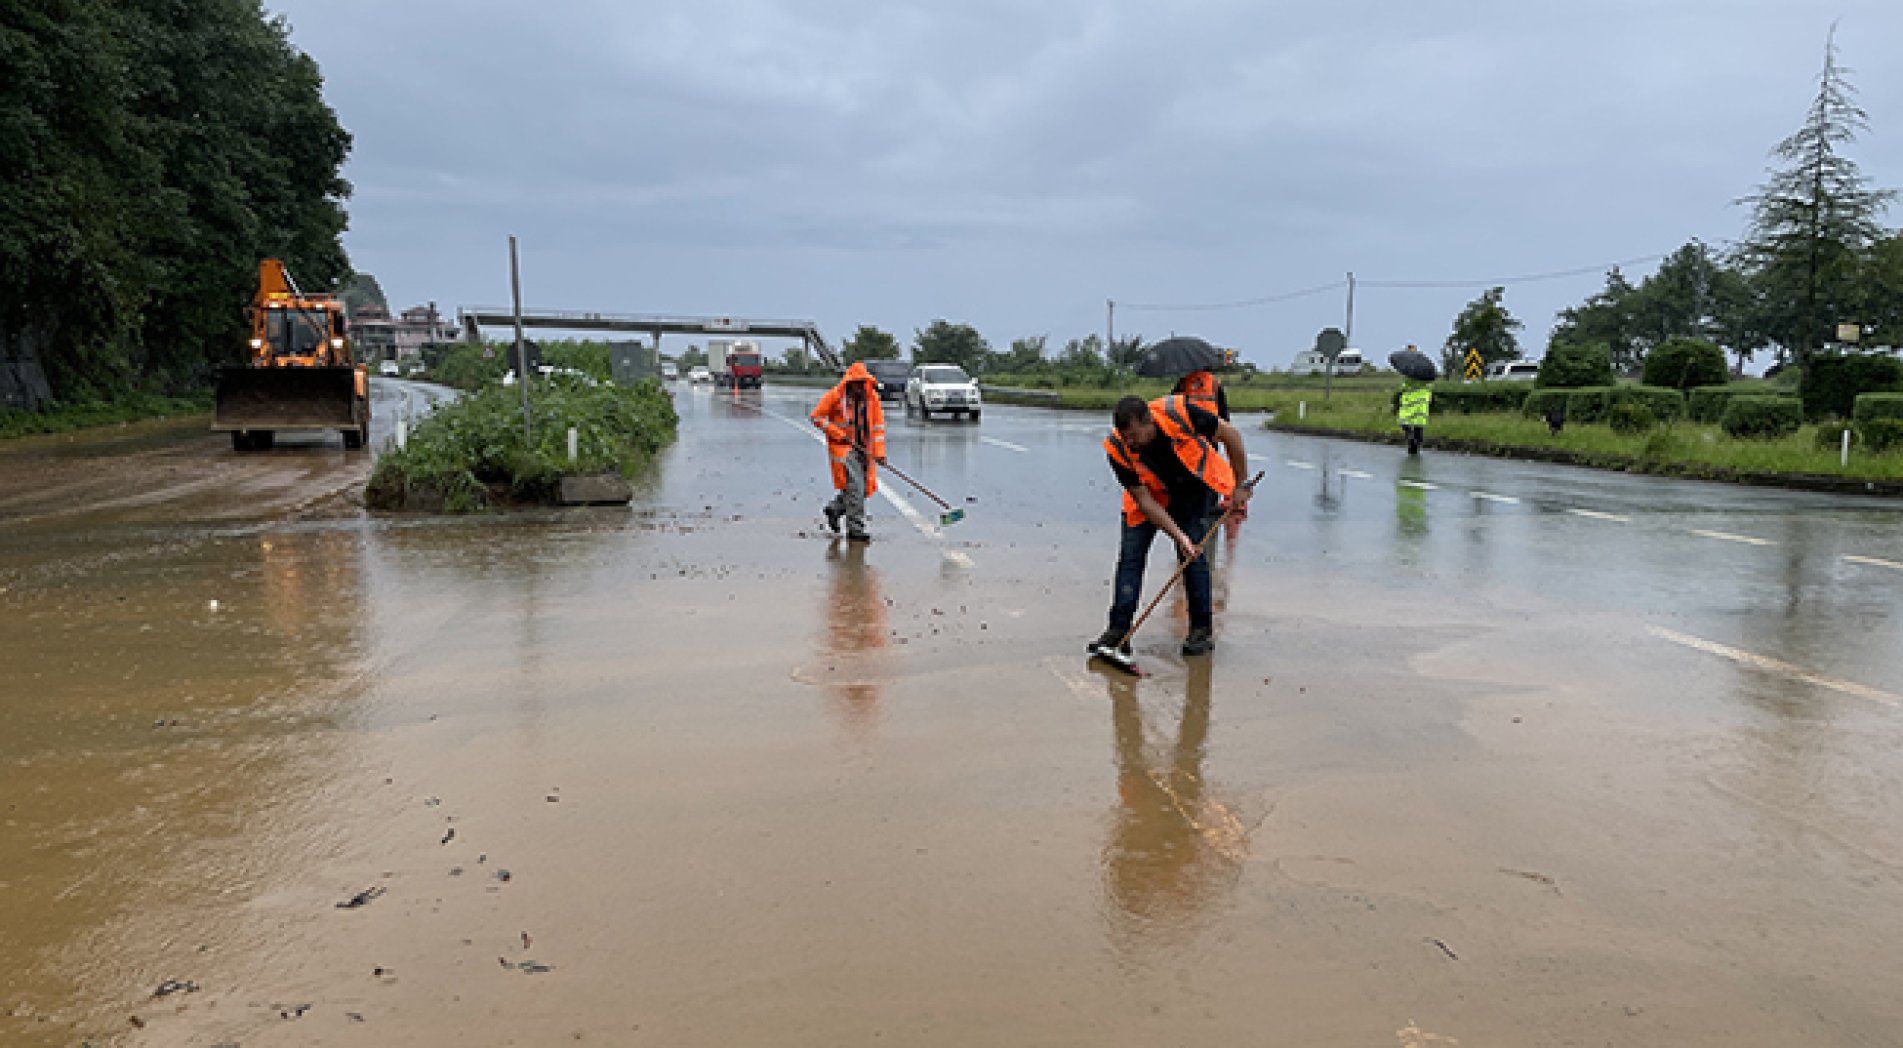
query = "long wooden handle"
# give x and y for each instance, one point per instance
(1184, 565)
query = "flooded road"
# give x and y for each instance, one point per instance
(1489, 753)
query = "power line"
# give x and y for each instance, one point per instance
(1265, 300)
(1525, 278)
(1287, 296)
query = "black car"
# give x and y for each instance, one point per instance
(892, 375)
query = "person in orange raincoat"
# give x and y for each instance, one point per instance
(1205, 392)
(854, 422)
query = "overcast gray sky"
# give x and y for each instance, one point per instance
(1014, 164)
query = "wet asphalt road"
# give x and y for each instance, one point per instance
(1491, 752)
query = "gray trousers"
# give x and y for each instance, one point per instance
(850, 501)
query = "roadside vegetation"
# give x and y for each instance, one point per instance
(139, 407)
(473, 455)
(153, 154)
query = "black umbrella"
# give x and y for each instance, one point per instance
(1414, 364)
(1179, 356)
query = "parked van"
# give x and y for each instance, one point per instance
(1313, 363)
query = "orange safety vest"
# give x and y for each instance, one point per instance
(1193, 450)
(1200, 388)
(833, 414)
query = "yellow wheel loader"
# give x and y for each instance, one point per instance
(299, 373)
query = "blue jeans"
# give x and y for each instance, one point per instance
(1135, 551)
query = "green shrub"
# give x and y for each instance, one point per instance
(1631, 417)
(464, 454)
(1869, 407)
(1666, 405)
(1589, 404)
(1570, 367)
(1474, 398)
(1831, 386)
(1881, 434)
(1764, 418)
(1830, 435)
(1682, 363)
(1707, 403)
(1542, 401)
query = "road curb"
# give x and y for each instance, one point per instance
(1888, 489)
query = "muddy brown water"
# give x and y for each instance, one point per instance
(750, 786)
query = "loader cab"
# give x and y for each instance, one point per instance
(300, 329)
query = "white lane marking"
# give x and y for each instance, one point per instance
(1005, 444)
(1299, 465)
(930, 530)
(1491, 497)
(1078, 683)
(1729, 537)
(1420, 484)
(1782, 669)
(1873, 561)
(1355, 473)
(1596, 515)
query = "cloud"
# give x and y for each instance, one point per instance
(1015, 163)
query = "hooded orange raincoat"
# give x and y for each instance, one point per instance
(847, 423)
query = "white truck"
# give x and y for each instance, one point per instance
(1313, 362)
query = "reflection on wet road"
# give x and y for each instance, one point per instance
(1490, 752)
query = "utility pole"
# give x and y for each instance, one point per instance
(521, 351)
(1349, 330)
(1109, 327)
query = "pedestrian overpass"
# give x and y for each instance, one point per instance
(474, 318)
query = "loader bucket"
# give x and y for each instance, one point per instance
(287, 398)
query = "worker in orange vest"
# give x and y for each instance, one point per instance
(1205, 392)
(854, 422)
(1164, 455)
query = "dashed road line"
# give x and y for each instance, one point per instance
(1491, 497)
(1727, 536)
(917, 519)
(1779, 667)
(1005, 444)
(1357, 474)
(1421, 485)
(1596, 515)
(1299, 465)
(1877, 562)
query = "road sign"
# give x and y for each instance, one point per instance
(1476, 366)
(1330, 342)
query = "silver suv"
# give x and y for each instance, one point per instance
(942, 388)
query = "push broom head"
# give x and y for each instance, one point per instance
(1117, 659)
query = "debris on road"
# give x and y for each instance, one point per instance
(362, 898)
(1444, 948)
(172, 986)
(450, 836)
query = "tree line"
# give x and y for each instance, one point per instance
(155, 151)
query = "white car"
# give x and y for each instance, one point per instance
(1513, 371)
(389, 367)
(669, 372)
(699, 373)
(942, 388)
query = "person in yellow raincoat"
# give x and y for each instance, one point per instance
(854, 423)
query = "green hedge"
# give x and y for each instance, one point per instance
(1666, 405)
(1831, 386)
(1762, 417)
(1881, 434)
(1630, 417)
(1472, 398)
(1872, 406)
(1572, 367)
(1707, 403)
(1683, 363)
(1541, 401)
